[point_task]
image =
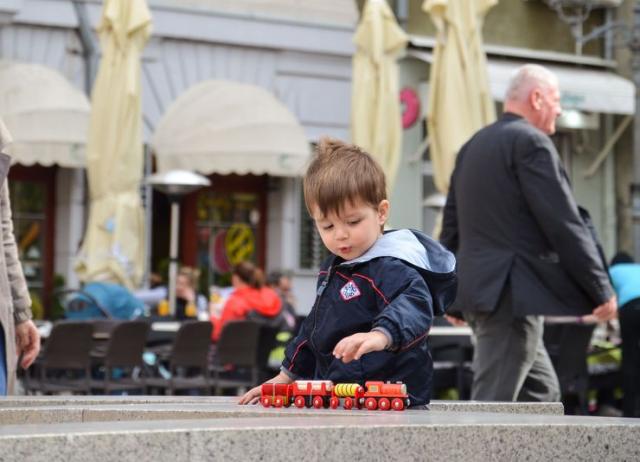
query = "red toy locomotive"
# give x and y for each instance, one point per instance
(325, 394)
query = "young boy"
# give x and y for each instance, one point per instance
(377, 293)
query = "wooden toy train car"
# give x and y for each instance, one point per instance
(325, 394)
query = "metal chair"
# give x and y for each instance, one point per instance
(63, 365)
(242, 354)
(121, 360)
(188, 360)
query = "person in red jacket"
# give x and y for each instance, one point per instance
(250, 294)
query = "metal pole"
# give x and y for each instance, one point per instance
(634, 45)
(89, 47)
(148, 216)
(173, 255)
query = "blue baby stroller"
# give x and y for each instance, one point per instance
(100, 300)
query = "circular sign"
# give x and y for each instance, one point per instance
(217, 253)
(239, 243)
(411, 104)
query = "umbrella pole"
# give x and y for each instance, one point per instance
(173, 256)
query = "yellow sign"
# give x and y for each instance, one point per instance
(239, 243)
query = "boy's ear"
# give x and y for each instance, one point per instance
(383, 211)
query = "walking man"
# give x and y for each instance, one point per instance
(522, 247)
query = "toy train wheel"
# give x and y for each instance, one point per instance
(384, 404)
(397, 404)
(266, 401)
(371, 404)
(317, 402)
(348, 403)
(299, 402)
(278, 401)
(334, 402)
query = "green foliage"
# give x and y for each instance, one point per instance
(57, 309)
(37, 309)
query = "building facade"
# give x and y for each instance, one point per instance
(298, 54)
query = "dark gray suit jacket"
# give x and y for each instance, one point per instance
(510, 217)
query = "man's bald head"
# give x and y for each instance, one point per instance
(533, 94)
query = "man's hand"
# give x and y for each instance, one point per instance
(354, 346)
(457, 322)
(27, 342)
(607, 311)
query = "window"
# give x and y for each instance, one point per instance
(312, 251)
(29, 222)
(227, 232)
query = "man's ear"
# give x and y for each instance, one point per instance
(535, 99)
(383, 211)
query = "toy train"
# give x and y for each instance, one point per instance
(325, 394)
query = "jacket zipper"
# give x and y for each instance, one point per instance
(319, 293)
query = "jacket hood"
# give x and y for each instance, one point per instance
(264, 300)
(436, 265)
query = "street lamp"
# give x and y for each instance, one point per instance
(175, 184)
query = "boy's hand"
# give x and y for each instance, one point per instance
(353, 347)
(253, 395)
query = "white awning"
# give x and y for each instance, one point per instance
(584, 89)
(224, 127)
(47, 117)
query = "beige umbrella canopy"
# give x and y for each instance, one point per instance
(113, 245)
(376, 123)
(459, 97)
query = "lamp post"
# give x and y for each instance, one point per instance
(175, 184)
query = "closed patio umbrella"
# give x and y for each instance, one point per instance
(460, 101)
(376, 123)
(113, 247)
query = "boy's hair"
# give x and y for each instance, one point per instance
(341, 172)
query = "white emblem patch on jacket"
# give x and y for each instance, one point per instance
(349, 290)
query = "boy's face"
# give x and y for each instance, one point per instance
(354, 230)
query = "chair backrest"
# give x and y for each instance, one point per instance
(191, 345)
(68, 345)
(126, 344)
(239, 343)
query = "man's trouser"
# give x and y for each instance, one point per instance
(510, 362)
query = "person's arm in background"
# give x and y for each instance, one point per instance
(548, 194)
(27, 336)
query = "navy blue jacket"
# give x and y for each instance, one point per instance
(396, 286)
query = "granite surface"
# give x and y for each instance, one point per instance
(229, 402)
(157, 428)
(410, 435)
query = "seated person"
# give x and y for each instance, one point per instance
(249, 295)
(281, 283)
(189, 303)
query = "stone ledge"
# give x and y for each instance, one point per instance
(436, 405)
(371, 436)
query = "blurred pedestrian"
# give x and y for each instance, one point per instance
(250, 296)
(281, 283)
(19, 337)
(522, 246)
(625, 275)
